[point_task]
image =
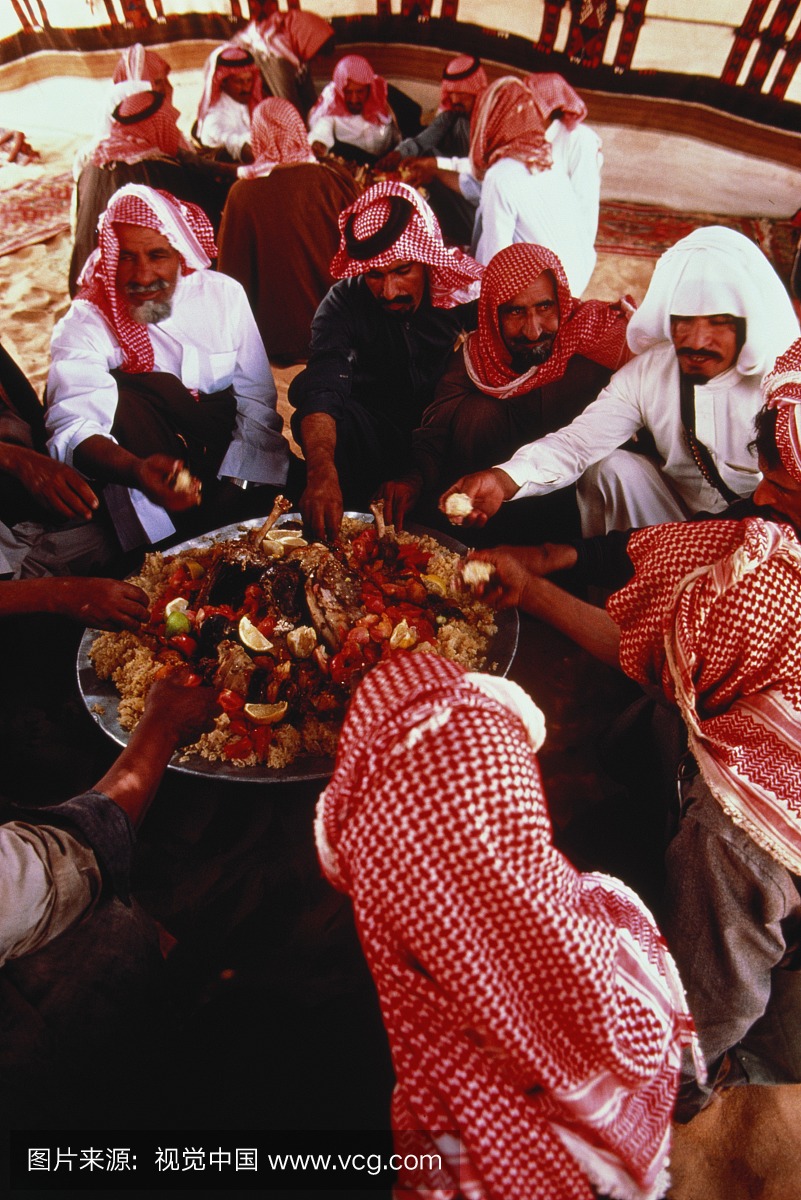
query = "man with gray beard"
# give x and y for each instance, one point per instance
(160, 391)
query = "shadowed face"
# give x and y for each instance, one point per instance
(779, 491)
(399, 287)
(355, 96)
(147, 273)
(705, 346)
(238, 86)
(529, 323)
(461, 102)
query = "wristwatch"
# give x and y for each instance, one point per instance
(244, 484)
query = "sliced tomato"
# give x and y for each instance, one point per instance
(184, 643)
(241, 748)
(230, 701)
(261, 737)
(193, 680)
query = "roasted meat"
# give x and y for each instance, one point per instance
(333, 594)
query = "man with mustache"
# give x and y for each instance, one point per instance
(380, 341)
(536, 360)
(159, 384)
(712, 323)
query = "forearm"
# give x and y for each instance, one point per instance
(134, 778)
(589, 627)
(319, 439)
(32, 596)
(101, 458)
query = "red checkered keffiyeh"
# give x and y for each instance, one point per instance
(782, 391)
(138, 63)
(507, 124)
(278, 135)
(185, 226)
(228, 59)
(533, 1011)
(592, 328)
(358, 70)
(453, 277)
(553, 94)
(143, 126)
(713, 616)
(462, 74)
(295, 35)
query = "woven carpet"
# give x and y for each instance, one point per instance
(645, 231)
(34, 211)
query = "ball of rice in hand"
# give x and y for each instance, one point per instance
(458, 504)
(476, 572)
(184, 482)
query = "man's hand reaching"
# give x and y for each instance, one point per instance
(486, 489)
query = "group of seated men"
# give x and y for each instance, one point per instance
(430, 375)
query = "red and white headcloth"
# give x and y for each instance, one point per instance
(138, 63)
(553, 94)
(782, 391)
(185, 226)
(718, 270)
(357, 70)
(142, 126)
(535, 1017)
(507, 124)
(462, 74)
(592, 328)
(228, 59)
(278, 135)
(296, 35)
(391, 222)
(713, 616)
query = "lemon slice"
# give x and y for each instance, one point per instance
(434, 584)
(194, 568)
(179, 604)
(288, 538)
(251, 637)
(266, 714)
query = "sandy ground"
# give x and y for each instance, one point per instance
(749, 1143)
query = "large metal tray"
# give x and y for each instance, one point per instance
(102, 699)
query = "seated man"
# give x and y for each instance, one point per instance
(575, 147)
(352, 118)
(685, 624)
(267, 241)
(158, 371)
(79, 959)
(437, 156)
(535, 1017)
(526, 192)
(231, 91)
(285, 46)
(713, 320)
(380, 342)
(50, 523)
(536, 360)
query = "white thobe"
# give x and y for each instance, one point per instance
(210, 342)
(370, 136)
(48, 881)
(519, 205)
(645, 394)
(226, 126)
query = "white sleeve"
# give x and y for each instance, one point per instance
(258, 451)
(82, 397)
(323, 131)
(215, 131)
(558, 459)
(48, 881)
(498, 217)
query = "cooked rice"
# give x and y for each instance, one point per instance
(130, 660)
